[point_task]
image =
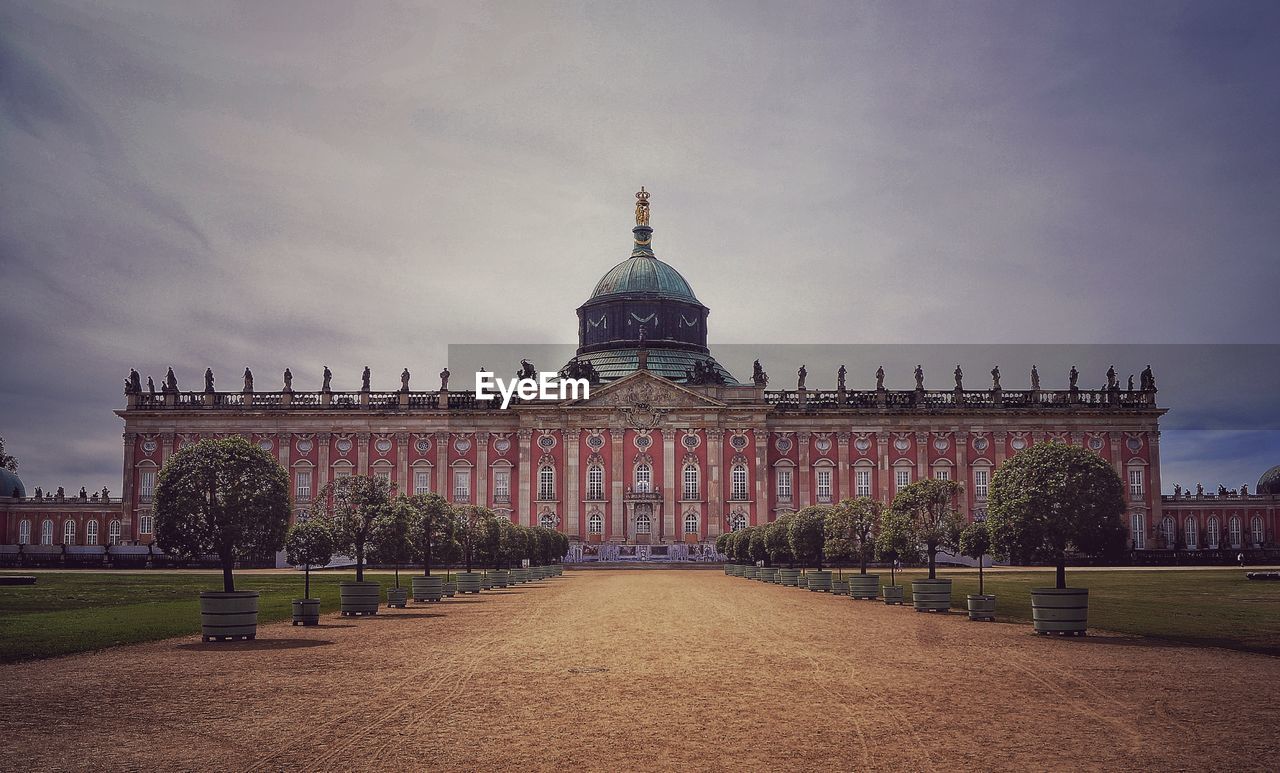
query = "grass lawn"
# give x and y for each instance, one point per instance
(1210, 607)
(66, 612)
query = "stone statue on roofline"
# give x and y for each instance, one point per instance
(248, 380)
(83, 494)
(1073, 377)
(364, 380)
(995, 378)
(880, 379)
(135, 381)
(171, 381)
(959, 374)
(758, 376)
(919, 379)
(404, 380)
(444, 378)
(840, 377)
(288, 380)
(1148, 382)
(151, 387)
(801, 375)
(208, 379)
(1112, 383)
(1035, 378)
(328, 379)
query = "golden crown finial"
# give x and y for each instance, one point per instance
(642, 207)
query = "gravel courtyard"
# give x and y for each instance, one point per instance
(615, 670)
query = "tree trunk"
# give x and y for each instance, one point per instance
(306, 581)
(862, 568)
(360, 560)
(933, 566)
(980, 586)
(397, 570)
(1062, 572)
(228, 582)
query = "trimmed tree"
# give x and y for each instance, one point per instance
(389, 535)
(807, 532)
(348, 507)
(510, 543)
(722, 545)
(896, 541)
(851, 528)
(430, 524)
(308, 542)
(975, 542)
(1053, 499)
(934, 521)
(227, 498)
(472, 530)
(756, 550)
(777, 541)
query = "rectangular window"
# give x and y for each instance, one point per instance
(462, 486)
(1135, 482)
(901, 478)
(422, 481)
(502, 486)
(784, 485)
(942, 473)
(690, 482)
(738, 483)
(144, 524)
(341, 472)
(644, 479)
(1138, 531)
(302, 485)
(546, 483)
(146, 485)
(824, 485)
(862, 483)
(595, 483)
(981, 479)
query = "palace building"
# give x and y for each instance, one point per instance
(669, 450)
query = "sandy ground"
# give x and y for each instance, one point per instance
(617, 670)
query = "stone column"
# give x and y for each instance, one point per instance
(481, 482)
(402, 463)
(1153, 484)
(322, 471)
(444, 486)
(922, 456)
(715, 486)
(166, 447)
(616, 533)
(1000, 439)
(127, 491)
(762, 513)
(883, 473)
(669, 497)
(572, 477)
(522, 500)
(362, 453)
(961, 439)
(843, 477)
(802, 489)
(284, 441)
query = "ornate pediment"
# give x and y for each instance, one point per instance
(642, 399)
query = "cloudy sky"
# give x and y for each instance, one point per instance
(279, 184)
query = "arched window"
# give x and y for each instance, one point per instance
(691, 523)
(1166, 532)
(644, 478)
(91, 533)
(547, 520)
(1191, 533)
(737, 521)
(595, 524)
(46, 532)
(691, 481)
(738, 482)
(546, 482)
(113, 533)
(24, 533)
(1233, 531)
(69, 532)
(1258, 536)
(595, 483)
(1213, 532)
(644, 524)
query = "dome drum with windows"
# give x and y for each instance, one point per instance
(643, 314)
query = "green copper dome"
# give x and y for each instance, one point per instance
(11, 484)
(643, 273)
(1269, 483)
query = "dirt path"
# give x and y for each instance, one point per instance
(655, 670)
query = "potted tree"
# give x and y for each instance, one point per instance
(308, 542)
(742, 550)
(806, 533)
(472, 527)
(504, 553)
(722, 546)
(928, 506)
(348, 506)
(860, 527)
(1050, 500)
(777, 542)
(227, 498)
(895, 542)
(430, 519)
(975, 542)
(389, 544)
(759, 555)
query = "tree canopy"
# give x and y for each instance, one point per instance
(777, 541)
(348, 507)
(7, 461)
(308, 543)
(430, 526)
(1053, 499)
(225, 497)
(851, 528)
(928, 506)
(806, 533)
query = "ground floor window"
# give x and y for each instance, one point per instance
(1212, 533)
(46, 532)
(1192, 534)
(547, 520)
(1258, 535)
(643, 524)
(91, 533)
(737, 521)
(1166, 532)
(1233, 527)
(144, 524)
(1138, 530)
(691, 523)
(69, 533)
(595, 524)
(24, 533)
(113, 533)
